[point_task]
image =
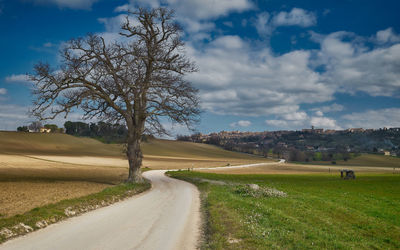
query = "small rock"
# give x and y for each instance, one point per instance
(69, 212)
(253, 186)
(233, 240)
(22, 228)
(41, 224)
(7, 233)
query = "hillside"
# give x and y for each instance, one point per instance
(67, 145)
(54, 144)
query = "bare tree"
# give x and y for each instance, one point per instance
(35, 126)
(139, 81)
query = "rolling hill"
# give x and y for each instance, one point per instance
(67, 145)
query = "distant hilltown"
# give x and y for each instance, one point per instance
(314, 144)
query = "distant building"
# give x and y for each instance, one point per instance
(45, 130)
(355, 130)
(386, 153)
(313, 130)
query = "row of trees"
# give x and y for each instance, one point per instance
(106, 132)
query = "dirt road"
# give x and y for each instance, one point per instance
(166, 217)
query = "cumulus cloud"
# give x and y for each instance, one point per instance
(387, 36)
(72, 4)
(352, 67)
(380, 118)
(324, 122)
(238, 79)
(3, 91)
(241, 123)
(296, 17)
(265, 23)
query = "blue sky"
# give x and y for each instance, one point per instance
(263, 64)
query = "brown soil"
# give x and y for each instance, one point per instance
(19, 197)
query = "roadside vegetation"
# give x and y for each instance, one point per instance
(314, 211)
(43, 216)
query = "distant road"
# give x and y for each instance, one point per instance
(166, 217)
(245, 166)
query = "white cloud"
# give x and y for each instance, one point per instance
(263, 25)
(324, 122)
(351, 66)
(241, 123)
(237, 78)
(3, 91)
(72, 4)
(21, 78)
(380, 118)
(277, 123)
(296, 116)
(319, 113)
(266, 23)
(296, 17)
(387, 36)
(300, 119)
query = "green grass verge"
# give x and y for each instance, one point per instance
(319, 211)
(41, 217)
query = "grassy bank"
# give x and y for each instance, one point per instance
(320, 211)
(41, 217)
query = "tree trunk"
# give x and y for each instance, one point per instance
(135, 156)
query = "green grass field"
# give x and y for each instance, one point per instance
(320, 211)
(369, 160)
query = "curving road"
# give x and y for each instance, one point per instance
(166, 217)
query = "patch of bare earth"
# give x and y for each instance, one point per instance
(22, 196)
